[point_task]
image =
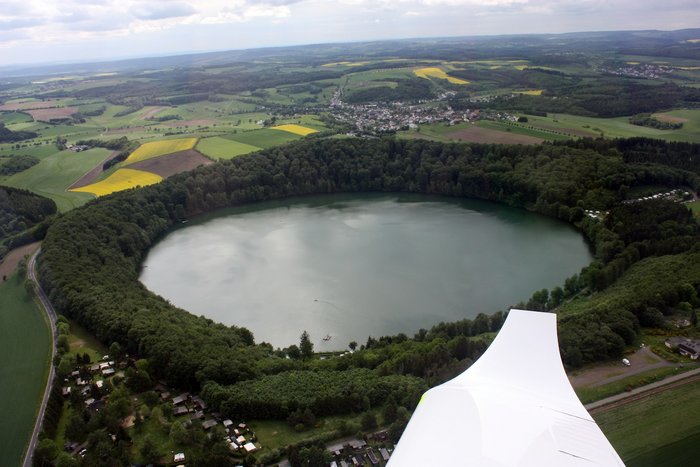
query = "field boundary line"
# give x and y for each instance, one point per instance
(49, 313)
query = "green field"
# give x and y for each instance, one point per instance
(9, 118)
(24, 359)
(264, 138)
(222, 148)
(659, 430)
(55, 173)
(695, 207)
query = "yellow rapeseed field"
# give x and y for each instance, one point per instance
(296, 129)
(122, 179)
(531, 92)
(160, 148)
(435, 72)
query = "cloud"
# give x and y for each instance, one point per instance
(163, 11)
(42, 24)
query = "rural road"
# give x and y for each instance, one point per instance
(51, 313)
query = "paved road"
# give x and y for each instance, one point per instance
(641, 392)
(51, 313)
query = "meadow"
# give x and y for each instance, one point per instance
(24, 359)
(222, 148)
(55, 173)
(658, 430)
(122, 179)
(264, 138)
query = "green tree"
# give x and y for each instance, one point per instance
(149, 450)
(178, 433)
(294, 352)
(45, 452)
(306, 347)
(693, 317)
(390, 409)
(368, 421)
(353, 345)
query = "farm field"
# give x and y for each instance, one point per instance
(55, 173)
(435, 72)
(221, 148)
(158, 148)
(619, 127)
(265, 138)
(481, 132)
(295, 129)
(171, 164)
(664, 424)
(24, 359)
(122, 179)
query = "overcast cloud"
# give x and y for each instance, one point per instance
(47, 30)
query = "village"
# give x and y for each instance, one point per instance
(92, 383)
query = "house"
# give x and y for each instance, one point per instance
(182, 410)
(227, 423)
(108, 372)
(196, 400)
(250, 447)
(165, 396)
(181, 398)
(99, 384)
(241, 440)
(209, 424)
(687, 347)
(197, 415)
(384, 453)
(65, 391)
(179, 457)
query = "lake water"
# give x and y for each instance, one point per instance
(353, 266)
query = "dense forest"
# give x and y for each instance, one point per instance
(92, 255)
(24, 217)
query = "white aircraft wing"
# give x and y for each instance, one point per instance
(513, 407)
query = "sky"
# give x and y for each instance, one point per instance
(44, 31)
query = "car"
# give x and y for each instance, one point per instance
(626, 362)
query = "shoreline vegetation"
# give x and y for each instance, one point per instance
(120, 228)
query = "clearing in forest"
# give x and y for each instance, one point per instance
(122, 179)
(160, 148)
(531, 92)
(296, 129)
(435, 72)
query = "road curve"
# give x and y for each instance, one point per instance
(51, 313)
